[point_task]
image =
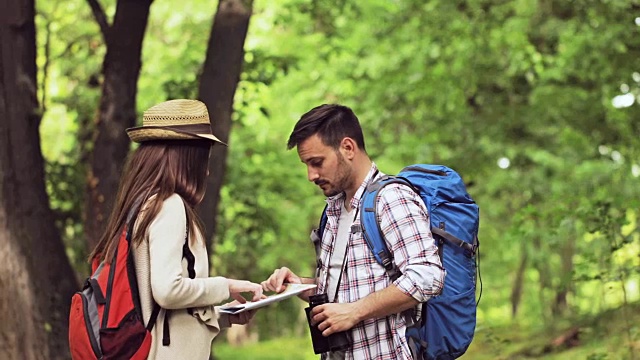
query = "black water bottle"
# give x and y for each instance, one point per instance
(335, 342)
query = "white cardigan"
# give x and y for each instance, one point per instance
(162, 275)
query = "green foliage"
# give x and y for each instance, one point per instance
(174, 50)
(276, 349)
(267, 208)
(535, 103)
(613, 334)
(70, 52)
(64, 182)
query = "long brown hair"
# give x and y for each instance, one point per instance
(159, 168)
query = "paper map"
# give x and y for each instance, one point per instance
(291, 290)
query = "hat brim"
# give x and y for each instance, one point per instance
(142, 133)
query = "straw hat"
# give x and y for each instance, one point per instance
(174, 120)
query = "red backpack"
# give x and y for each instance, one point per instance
(105, 321)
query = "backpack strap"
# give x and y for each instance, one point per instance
(131, 271)
(316, 237)
(319, 232)
(470, 249)
(417, 345)
(154, 316)
(191, 260)
(370, 227)
(166, 338)
(110, 280)
(377, 243)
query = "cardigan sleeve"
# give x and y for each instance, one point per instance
(172, 290)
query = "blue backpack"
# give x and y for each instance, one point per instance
(448, 321)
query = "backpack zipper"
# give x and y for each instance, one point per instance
(92, 339)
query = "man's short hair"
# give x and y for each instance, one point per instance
(332, 123)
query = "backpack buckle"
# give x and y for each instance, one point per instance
(474, 247)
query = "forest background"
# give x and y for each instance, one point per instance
(533, 102)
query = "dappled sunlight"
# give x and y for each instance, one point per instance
(623, 101)
(503, 163)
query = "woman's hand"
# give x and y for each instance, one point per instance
(240, 318)
(237, 287)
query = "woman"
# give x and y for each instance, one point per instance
(163, 181)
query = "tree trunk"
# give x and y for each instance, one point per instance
(518, 282)
(567, 251)
(121, 68)
(544, 276)
(218, 82)
(36, 279)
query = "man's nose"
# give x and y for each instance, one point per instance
(312, 175)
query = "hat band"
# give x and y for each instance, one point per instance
(202, 128)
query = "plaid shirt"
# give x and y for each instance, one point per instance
(404, 221)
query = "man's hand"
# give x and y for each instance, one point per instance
(332, 318)
(279, 277)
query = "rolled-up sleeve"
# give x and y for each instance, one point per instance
(403, 219)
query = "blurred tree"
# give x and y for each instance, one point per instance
(70, 54)
(217, 86)
(120, 71)
(36, 279)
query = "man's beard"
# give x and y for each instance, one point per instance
(343, 178)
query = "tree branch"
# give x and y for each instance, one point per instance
(69, 45)
(45, 67)
(101, 17)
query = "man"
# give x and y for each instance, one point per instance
(363, 301)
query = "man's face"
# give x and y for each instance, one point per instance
(326, 167)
